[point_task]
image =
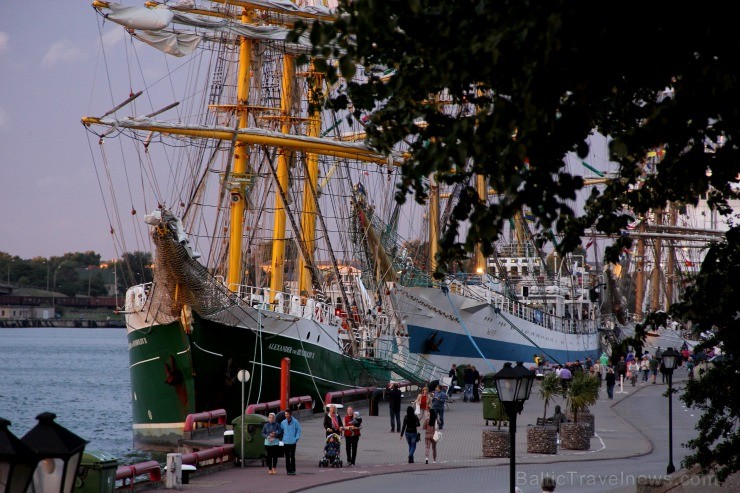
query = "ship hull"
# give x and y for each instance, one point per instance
(176, 372)
(447, 328)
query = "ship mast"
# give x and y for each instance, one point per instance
(241, 160)
(480, 260)
(433, 222)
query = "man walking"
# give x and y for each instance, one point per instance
(453, 378)
(394, 405)
(438, 405)
(291, 434)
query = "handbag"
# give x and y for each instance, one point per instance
(437, 435)
(417, 409)
(418, 437)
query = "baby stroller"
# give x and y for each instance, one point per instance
(332, 451)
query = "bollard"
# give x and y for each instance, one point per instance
(173, 479)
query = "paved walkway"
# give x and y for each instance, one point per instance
(382, 452)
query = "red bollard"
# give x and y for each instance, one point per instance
(284, 383)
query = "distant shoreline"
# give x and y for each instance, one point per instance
(62, 324)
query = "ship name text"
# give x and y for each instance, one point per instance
(291, 350)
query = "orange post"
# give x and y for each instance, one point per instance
(284, 383)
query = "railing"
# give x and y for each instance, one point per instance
(409, 362)
(205, 417)
(339, 395)
(211, 456)
(130, 473)
(263, 407)
(280, 302)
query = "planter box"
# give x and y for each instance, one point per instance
(542, 440)
(575, 436)
(587, 419)
(495, 443)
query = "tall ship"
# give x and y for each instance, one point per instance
(273, 231)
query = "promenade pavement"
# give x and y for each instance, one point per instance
(383, 452)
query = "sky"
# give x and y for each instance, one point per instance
(52, 73)
(49, 196)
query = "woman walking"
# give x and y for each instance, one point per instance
(424, 401)
(430, 427)
(410, 429)
(272, 432)
(332, 422)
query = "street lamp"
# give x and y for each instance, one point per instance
(670, 357)
(58, 451)
(17, 461)
(513, 386)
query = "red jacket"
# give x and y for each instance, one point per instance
(349, 430)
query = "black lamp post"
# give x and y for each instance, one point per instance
(17, 461)
(58, 451)
(670, 357)
(513, 386)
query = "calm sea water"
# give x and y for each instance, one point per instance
(81, 375)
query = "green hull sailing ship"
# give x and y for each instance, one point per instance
(262, 182)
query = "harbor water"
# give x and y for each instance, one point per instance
(81, 375)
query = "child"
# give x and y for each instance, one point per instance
(331, 449)
(356, 421)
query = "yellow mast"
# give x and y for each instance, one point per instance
(671, 261)
(480, 261)
(639, 280)
(241, 159)
(278, 235)
(308, 216)
(433, 222)
(657, 246)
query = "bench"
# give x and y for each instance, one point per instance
(545, 422)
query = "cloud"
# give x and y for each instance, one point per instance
(3, 117)
(3, 41)
(62, 52)
(112, 37)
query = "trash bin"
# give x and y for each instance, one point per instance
(375, 398)
(97, 473)
(487, 381)
(492, 408)
(251, 430)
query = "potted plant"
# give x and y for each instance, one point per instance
(582, 392)
(495, 442)
(542, 438)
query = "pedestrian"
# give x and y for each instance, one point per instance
(424, 401)
(604, 361)
(468, 376)
(438, 405)
(654, 368)
(351, 432)
(611, 380)
(597, 371)
(645, 367)
(548, 483)
(453, 378)
(291, 434)
(476, 385)
(565, 377)
(633, 368)
(272, 432)
(622, 369)
(332, 422)
(410, 429)
(430, 427)
(394, 405)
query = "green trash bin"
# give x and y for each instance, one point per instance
(251, 430)
(492, 408)
(97, 473)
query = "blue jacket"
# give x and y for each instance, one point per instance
(291, 431)
(272, 428)
(438, 400)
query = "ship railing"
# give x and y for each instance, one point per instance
(412, 363)
(543, 319)
(308, 307)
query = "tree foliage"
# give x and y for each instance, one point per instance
(507, 89)
(711, 304)
(527, 83)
